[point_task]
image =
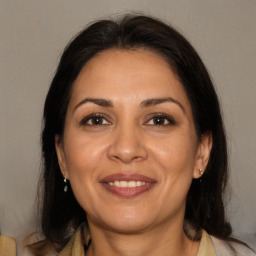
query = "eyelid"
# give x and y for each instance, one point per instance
(170, 119)
(90, 116)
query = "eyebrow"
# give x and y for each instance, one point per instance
(146, 103)
(156, 101)
(99, 102)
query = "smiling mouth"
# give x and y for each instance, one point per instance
(127, 186)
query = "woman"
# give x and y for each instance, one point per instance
(135, 158)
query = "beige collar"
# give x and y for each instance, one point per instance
(206, 247)
(75, 247)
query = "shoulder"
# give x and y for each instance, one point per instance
(226, 248)
(7, 246)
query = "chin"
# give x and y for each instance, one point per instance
(129, 227)
(124, 222)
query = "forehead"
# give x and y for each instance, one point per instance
(128, 75)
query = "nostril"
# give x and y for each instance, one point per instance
(126, 158)
(126, 154)
(127, 144)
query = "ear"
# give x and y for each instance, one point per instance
(61, 156)
(203, 154)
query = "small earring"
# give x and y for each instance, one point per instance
(66, 185)
(201, 171)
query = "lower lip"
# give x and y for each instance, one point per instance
(128, 192)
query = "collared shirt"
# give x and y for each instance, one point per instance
(75, 247)
(206, 247)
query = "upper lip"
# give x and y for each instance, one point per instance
(127, 177)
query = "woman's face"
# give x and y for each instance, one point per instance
(130, 148)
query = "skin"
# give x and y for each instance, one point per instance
(131, 139)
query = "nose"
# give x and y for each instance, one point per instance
(127, 145)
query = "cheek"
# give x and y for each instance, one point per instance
(83, 156)
(176, 154)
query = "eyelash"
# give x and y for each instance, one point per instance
(162, 117)
(85, 120)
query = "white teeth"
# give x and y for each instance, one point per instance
(123, 184)
(132, 184)
(138, 183)
(116, 183)
(128, 184)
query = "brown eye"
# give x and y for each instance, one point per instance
(161, 120)
(95, 120)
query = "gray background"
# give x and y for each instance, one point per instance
(32, 37)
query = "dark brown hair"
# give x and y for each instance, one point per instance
(60, 212)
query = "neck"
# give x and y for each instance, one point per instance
(164, 240)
